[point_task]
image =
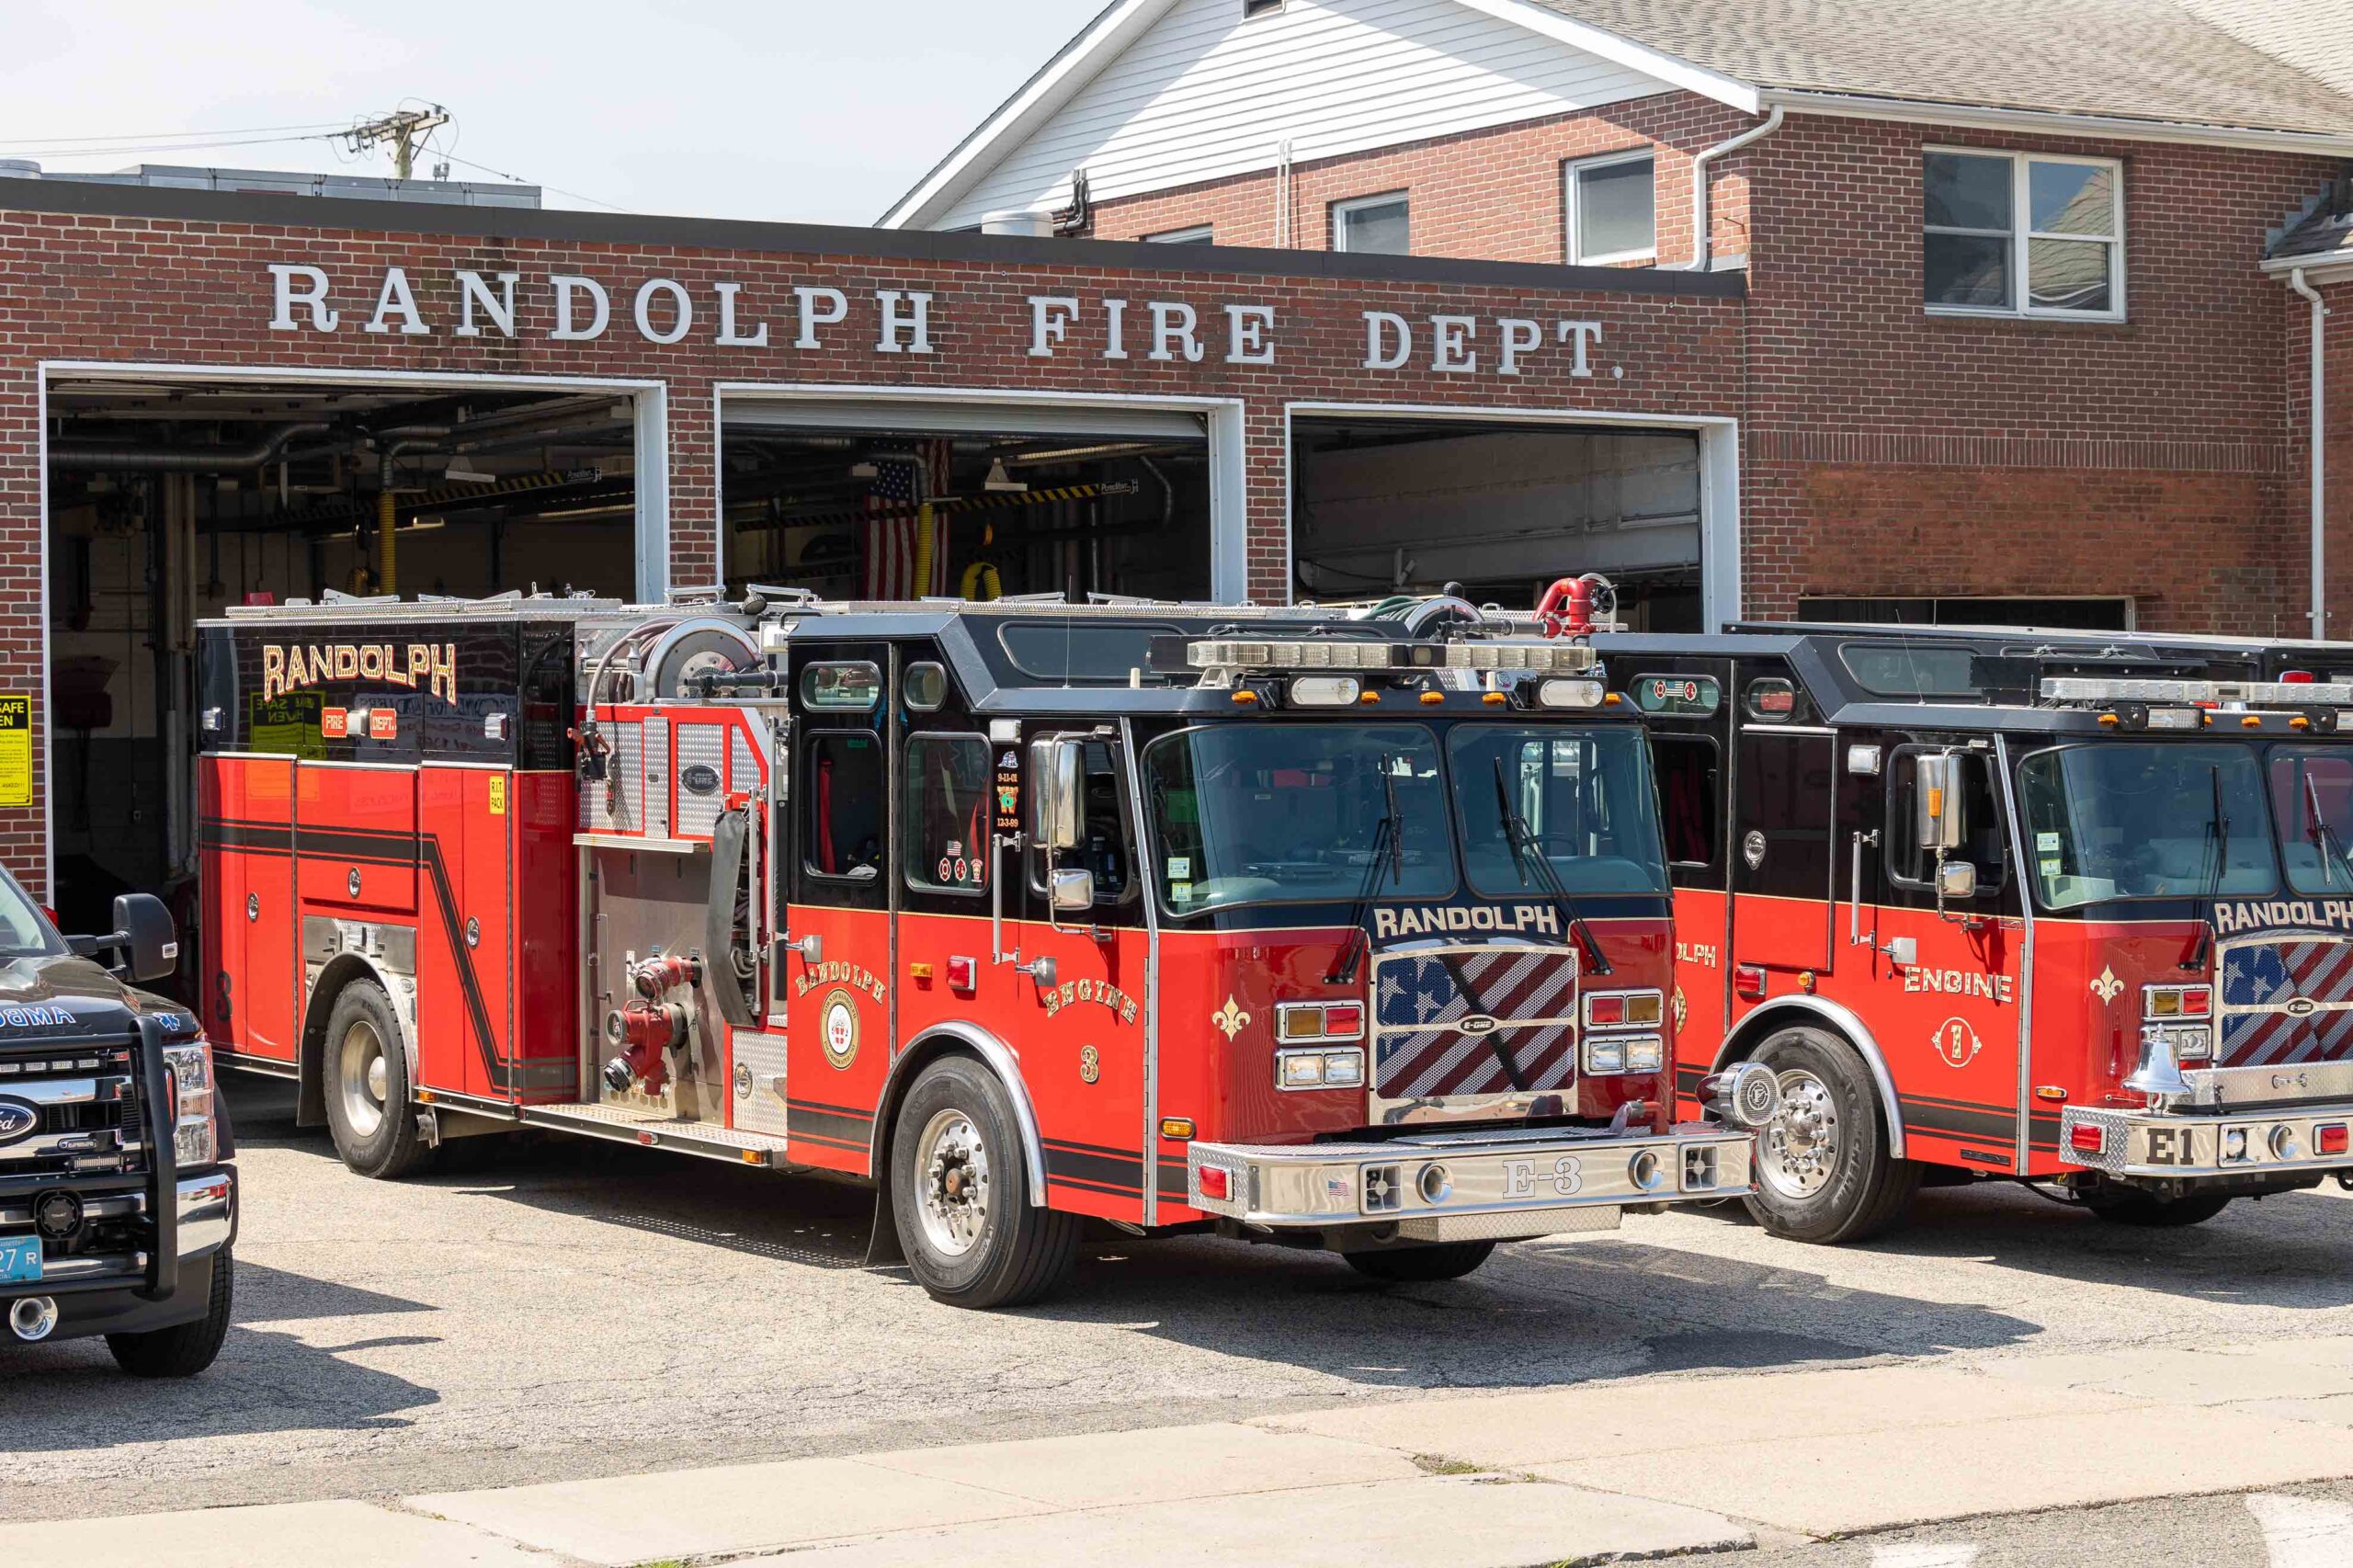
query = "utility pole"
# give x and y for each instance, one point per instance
(402, 130)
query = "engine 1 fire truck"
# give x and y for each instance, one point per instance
(1343, 929)
(2072, 908)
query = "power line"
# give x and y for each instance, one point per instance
(315, 126)
(124, 150)
(518, 179)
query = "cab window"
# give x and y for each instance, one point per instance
(844, 790)
(947, 814)
(1911, 866)
(1103, 840)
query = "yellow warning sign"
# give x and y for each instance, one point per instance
(16, 750)
(497, 795)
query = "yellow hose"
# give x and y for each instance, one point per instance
(981, 582)
(924, 525)
(387, 552)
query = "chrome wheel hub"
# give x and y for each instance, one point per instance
(362, 1079)
(952, 1183)
(1799, 1152)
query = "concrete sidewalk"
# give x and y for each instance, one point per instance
(1564, 1475)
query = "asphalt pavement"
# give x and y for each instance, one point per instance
(550, 1311)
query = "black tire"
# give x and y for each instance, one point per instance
(1015, 1254)
(2157, 1213)
(363, 1023)
(183, 1349)
(1421, 1265)
(1862, 1191)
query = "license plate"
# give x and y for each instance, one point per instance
(21, 1261)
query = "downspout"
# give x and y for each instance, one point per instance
(2320, 452)
(1701, 259)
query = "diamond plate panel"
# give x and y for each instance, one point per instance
(758, 1088)
(703, 746)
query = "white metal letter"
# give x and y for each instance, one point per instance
(1520, 337)
(395, 296)
(1584, 334)
(915, 324)
(568, 289)
(1049, 319)
(683, 310)
(812, 318)
(1115, 315)
(730, 335)
(314, 296)
(498, 307)
(1248, 344)
(1379, 328)
(1175, 329)
(1450, 352)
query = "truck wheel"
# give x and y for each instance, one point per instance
(183, 1349)
(2157, 1213)
(367, 1086)
(959, 1193)
(1420, 1265)
(1822, 1170)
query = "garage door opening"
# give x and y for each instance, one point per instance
(170, 499)
(870, 501)
(1382, 506)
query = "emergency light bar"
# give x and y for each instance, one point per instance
(2276, 693)
(1540, 657)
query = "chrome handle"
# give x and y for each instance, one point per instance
(811, 948)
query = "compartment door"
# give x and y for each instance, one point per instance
(251, 989)
(1781, 846)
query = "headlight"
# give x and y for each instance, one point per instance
(194, 1142)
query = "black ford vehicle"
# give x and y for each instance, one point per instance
(117, 1208)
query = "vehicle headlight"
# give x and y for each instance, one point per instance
(194, 1142)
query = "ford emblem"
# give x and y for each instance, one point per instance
(18, 1120)
(2303, 1007)
(699, 778)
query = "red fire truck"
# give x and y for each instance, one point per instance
(1342, 929)
(2070, 908)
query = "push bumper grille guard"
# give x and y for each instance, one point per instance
(1457, 1175)
(2282, 1141)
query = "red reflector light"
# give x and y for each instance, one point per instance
(962, 973)
(1342, 1020)
(2085, 1138)
(2333, 1139)
(2298, 677)
(1748, 979)
(1217, 1183)
(1605, 1010)
(2197, 1001)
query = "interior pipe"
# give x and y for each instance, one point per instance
(2320, 450)
(1702, 258)
(183, 459)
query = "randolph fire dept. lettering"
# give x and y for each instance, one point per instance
(858, 977)
(1100, 992)
(419, 666)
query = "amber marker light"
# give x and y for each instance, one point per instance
(1495, 699)
(2049, 1092)
(1432, 699)
(1245, 698)
(1178, 1127)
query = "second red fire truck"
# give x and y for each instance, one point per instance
(1348, 929)
(2069, 908)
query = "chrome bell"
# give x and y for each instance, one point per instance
(2158, 1073)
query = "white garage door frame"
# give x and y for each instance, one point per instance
(1720, 579)
(1221, 416)
(650, 400)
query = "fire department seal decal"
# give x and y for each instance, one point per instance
(1090, 1064)
(839, 1029)
(1957, 1043)
(1682, 1009)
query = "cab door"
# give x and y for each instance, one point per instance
(1782, 820)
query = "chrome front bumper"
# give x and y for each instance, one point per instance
(2245, 1144)
(208, 1212)
(1447, 1187)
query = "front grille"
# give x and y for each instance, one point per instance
(1451, 1022)
(2285, 1002)
(70, 1108)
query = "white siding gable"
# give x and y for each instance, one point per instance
(1204, 95)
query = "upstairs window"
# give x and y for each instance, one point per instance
(2008, 234)
(1199, 234)
(1373, 225)
(1260, 9)
(1613, 211)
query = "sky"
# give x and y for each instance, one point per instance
(799, 111)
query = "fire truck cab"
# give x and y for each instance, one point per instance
(1341, 928)
(2068, 908)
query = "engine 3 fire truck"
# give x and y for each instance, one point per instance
(2071, 908)
(1342, 930)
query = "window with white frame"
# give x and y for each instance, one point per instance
(1260, 9)
(2008, 234)
(1199, 235)
(1373, 225)
(1613, 210)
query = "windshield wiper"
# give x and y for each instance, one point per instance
(1525, 848)
(2218, 838)
(2332, 848)
(1388, 846)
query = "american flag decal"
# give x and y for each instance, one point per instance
(2285, 1002)
(1474, 1020)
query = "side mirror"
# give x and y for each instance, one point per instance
(1956, 879)
(144, 931)
(1939, 818)
(1074, 890)
(1057, 772)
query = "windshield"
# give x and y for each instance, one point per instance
(1584, 798)
(2156, 821)
(1280, 813)
(2312, 801)
(25, 932)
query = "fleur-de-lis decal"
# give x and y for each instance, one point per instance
(1230, 1018)
(2107, 987)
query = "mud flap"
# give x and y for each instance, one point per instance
(883, 1248)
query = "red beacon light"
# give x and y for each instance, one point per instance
(2298, 677)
